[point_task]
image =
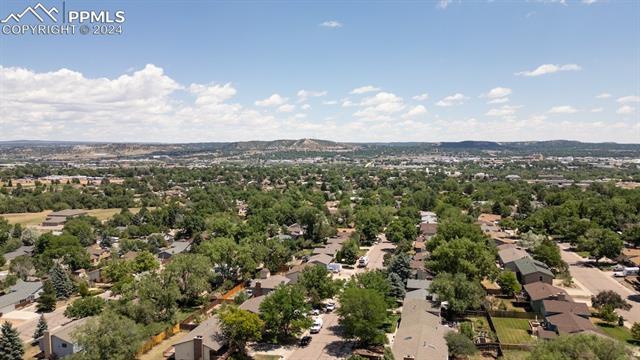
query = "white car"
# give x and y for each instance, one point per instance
(315, 312)
(330, 306)
(317, 325)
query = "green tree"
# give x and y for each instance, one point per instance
(579, 346)
(459, 345)
(632, 235)
(635, 331)
(284, 311)
(61, 282)
(609, 297)
(601, 243)
(548, 252)
(46, 302)
(85, 307)
(348, 254)
(400, 265)
(41, 327)
(508, 282)
(239, 327)
(369, 223)
(109, 337)
(362, 313)
(191, 272)
(10, 344)
(463, 255)
(160, 295)
(608, 313)
(318, 283)
(460, 292)
(80, 228)
(145, 261)
(397, 286)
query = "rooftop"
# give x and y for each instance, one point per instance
(539, 290)
(420, 333)
(210, 332)
(528, 266)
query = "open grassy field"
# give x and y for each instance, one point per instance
(513, 331)
(37, 218)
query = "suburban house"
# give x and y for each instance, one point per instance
(539, 291)
(57, 218)
(294, 272)
(428, 229)
(177, 247)
(97, 254)
(420, 333)
(60, 343)
(19, 295)
(529, 271)
(555, 307)
(509, 254)
(320, 259)
(295, 230)
(568, 323)
(205, 342)
(330, 249)
(265, 286)
(253, 304)
(22, 250)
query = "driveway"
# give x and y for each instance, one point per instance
(325, 345)
(377, 251)
(595, 280)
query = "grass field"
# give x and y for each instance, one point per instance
(619, 333)
(37, 218)
(513, 331)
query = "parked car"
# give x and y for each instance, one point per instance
(363, 261)
(315, 312)
(305, 340)
(249, 292)
(330, 306)
(317, 325)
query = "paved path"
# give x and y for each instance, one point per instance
(325, 345)
(595, 280)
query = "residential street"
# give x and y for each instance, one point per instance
(595, 280)
(327, 344)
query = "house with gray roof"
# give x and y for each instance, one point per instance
(177, 247)
(205, 342)
(19, 295)
(420, 333)
(510, 254)
(60, 343)
(529, 271)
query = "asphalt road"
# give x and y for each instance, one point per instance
(595, 280)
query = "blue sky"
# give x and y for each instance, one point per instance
(199, 70)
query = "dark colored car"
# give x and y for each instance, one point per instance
(305, 340)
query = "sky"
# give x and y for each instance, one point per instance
(356, 71)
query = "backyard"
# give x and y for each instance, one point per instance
(513, 330)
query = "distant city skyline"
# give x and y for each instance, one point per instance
(349, 71)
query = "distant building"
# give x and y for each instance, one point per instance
(177, 247)
(58, 218)
(265, 286)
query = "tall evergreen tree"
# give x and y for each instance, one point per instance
(61, 282)
(41, 327)
(47, 299)
(10, 343)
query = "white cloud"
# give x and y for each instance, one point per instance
(303, 95)
(212, 94)
(306, 107)
(563, 109)
(506, 110)
(273, 100)
(498, 92)
(625, 110)
(329, 102)
(452, 100)
(589, 2)
(415, 111)
(378, 107)
(286, 108)
(421, 97)
(628, 99)
(442, 4)
(597, 110)
(333, 24)
(603, 96)
(364, 90)
(549, 69)
(498, 101)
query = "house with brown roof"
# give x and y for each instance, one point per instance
(428, 229)
(320, 259)
(568, 323)
(253, 304)
(539, 291)
(205, 342)
(97, 254)
(265, 286)
(420, 333)
(554, 307)
(489, 218)
(511, 253)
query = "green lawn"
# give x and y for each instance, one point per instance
(619, 333)
(513, 331)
